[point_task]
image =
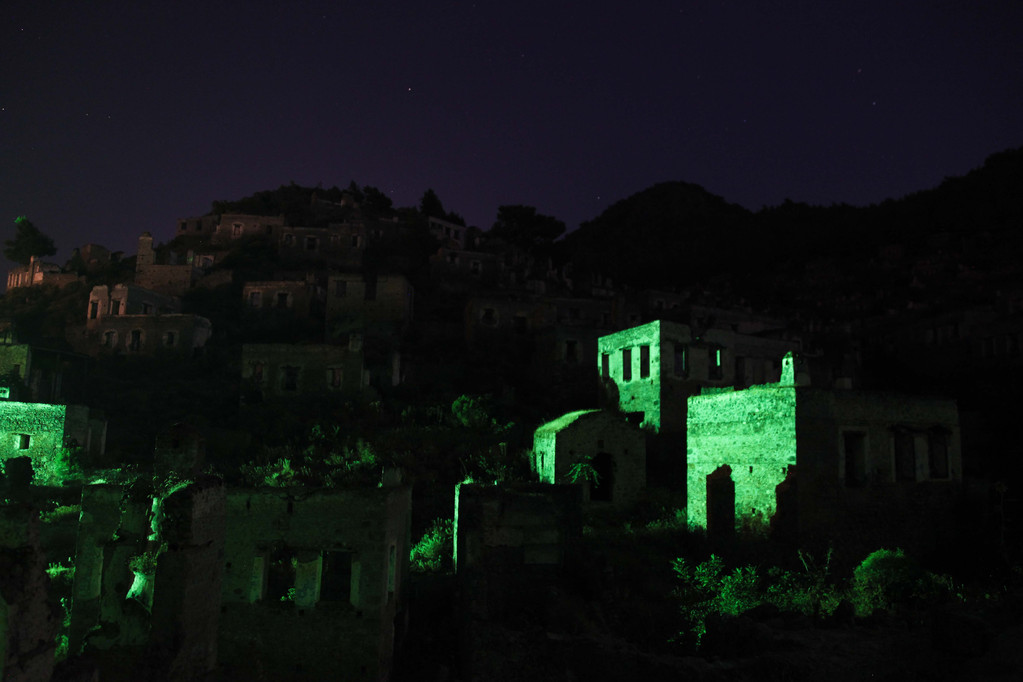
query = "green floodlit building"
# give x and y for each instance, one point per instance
(40, 430)
(821, 463)
(614, 448)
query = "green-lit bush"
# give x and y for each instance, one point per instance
(809, 591)
(885, 578)
(433, 552)
(709, 588)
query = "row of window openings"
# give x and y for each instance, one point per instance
(475, 266)
(854, 447)
(115, 309)
(681, 358)
(289, 376)
(328, 576)
(313, 243)
(136, 338)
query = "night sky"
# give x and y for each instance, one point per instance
(119, 117)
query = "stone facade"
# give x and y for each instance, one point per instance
(179, 334)
(511, 546)
(127, 299)
(819, 463)
(302, 298)
(171, 278)
(314, 582)
(27, 624)
(282, 370)
(234, 226)
(653, 368)
(203, 226)
(38, 273)
(384, 301)
(615, 449)
(39, 430)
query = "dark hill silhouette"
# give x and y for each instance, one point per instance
(677, 234)
(673, 232)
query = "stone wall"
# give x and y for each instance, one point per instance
(753, 432)
(314, 582)
(383, 300)
(281, 370)
(616, 450)
(37, 430)
(510, 545)
(27, 624)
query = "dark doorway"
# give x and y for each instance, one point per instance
(604, 466)
(721, 502)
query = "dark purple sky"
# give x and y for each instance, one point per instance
(119, 117)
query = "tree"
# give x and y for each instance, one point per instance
(28, 241)
(431, 206)
(522, 226)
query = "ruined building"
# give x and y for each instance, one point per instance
(134, 320)
(820, 464)
(614, 449)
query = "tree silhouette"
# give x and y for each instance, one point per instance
(522, 226)
(28, 241)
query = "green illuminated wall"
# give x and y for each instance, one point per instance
(42, 423)
(751, 431)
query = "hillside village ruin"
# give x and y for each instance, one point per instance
(735, 413)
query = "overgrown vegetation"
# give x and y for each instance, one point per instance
(434, 550)
(884, 580)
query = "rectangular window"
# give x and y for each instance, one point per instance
(681, 360)
(135, 341)
(340, 288)
(355, 241)
(115, 307)
(282, 299)
(109, 339)
(854, 445)
(392, 570)
(336, 580)
(22, 441)
(644, 362)
(716, 363)
(937, 454)
(147, 308)
(905, 456)
(290, 379)
(605, 365)
(255, 299)
(310, 243)
(93, 310)
(572, 351)
(334, 377)
(169, 339)
(626, 364)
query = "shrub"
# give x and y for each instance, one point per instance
(708, 588)
(886, 577)
(433, 552)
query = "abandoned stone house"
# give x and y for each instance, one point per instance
(130, 319)
(449, 234)
(281, 370)
(315, 581)
(233, 226)
(821, 463)
(40, 430)
(38, 273)
(303, 298)
(513, 544)
(203, 226)
(173, 278)
(381, 303)
(281, 583)
(615, 449)
(31, 373)
(457, 269)
(650, 370)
